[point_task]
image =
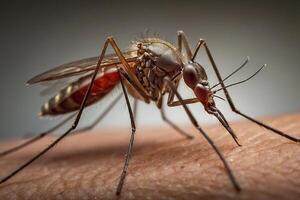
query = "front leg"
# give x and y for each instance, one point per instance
(217, 114)
(202, 43)
(182, 40)
(171, 96)
(185, 101)
(209, 140)
(174, 126)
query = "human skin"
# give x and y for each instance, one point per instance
(164, 165)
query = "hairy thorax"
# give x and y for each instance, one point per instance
(157, 59)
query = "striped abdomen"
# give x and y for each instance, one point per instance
(69, 99)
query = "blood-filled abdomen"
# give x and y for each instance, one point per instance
(70, 98)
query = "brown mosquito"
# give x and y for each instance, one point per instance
(148, 71)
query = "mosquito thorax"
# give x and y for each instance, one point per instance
(168, 60)
(156, 59)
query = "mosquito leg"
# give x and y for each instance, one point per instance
(41, 135)
(106, 111)
(129, 75)
(135, 108)
(219, 115)
(165, 118)
(216, 149)
(75, 123)
(36, 138)
(126, 72)
(231, 104)
(129, 150)
(182, 39)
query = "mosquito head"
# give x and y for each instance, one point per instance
(193, 74)
(195, 78)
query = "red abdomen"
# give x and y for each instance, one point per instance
(70, 98)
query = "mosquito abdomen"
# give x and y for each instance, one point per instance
(69, 99)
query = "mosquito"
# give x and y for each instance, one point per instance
(149, 71)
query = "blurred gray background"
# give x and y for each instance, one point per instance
(38, 35)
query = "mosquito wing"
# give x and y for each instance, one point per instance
(80, 67)
(52, 86)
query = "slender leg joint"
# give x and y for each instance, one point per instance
(204, 134)
(179, 130)
(130, 146)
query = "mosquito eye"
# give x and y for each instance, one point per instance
(190, 75)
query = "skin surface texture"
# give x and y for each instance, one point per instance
(164, 165)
